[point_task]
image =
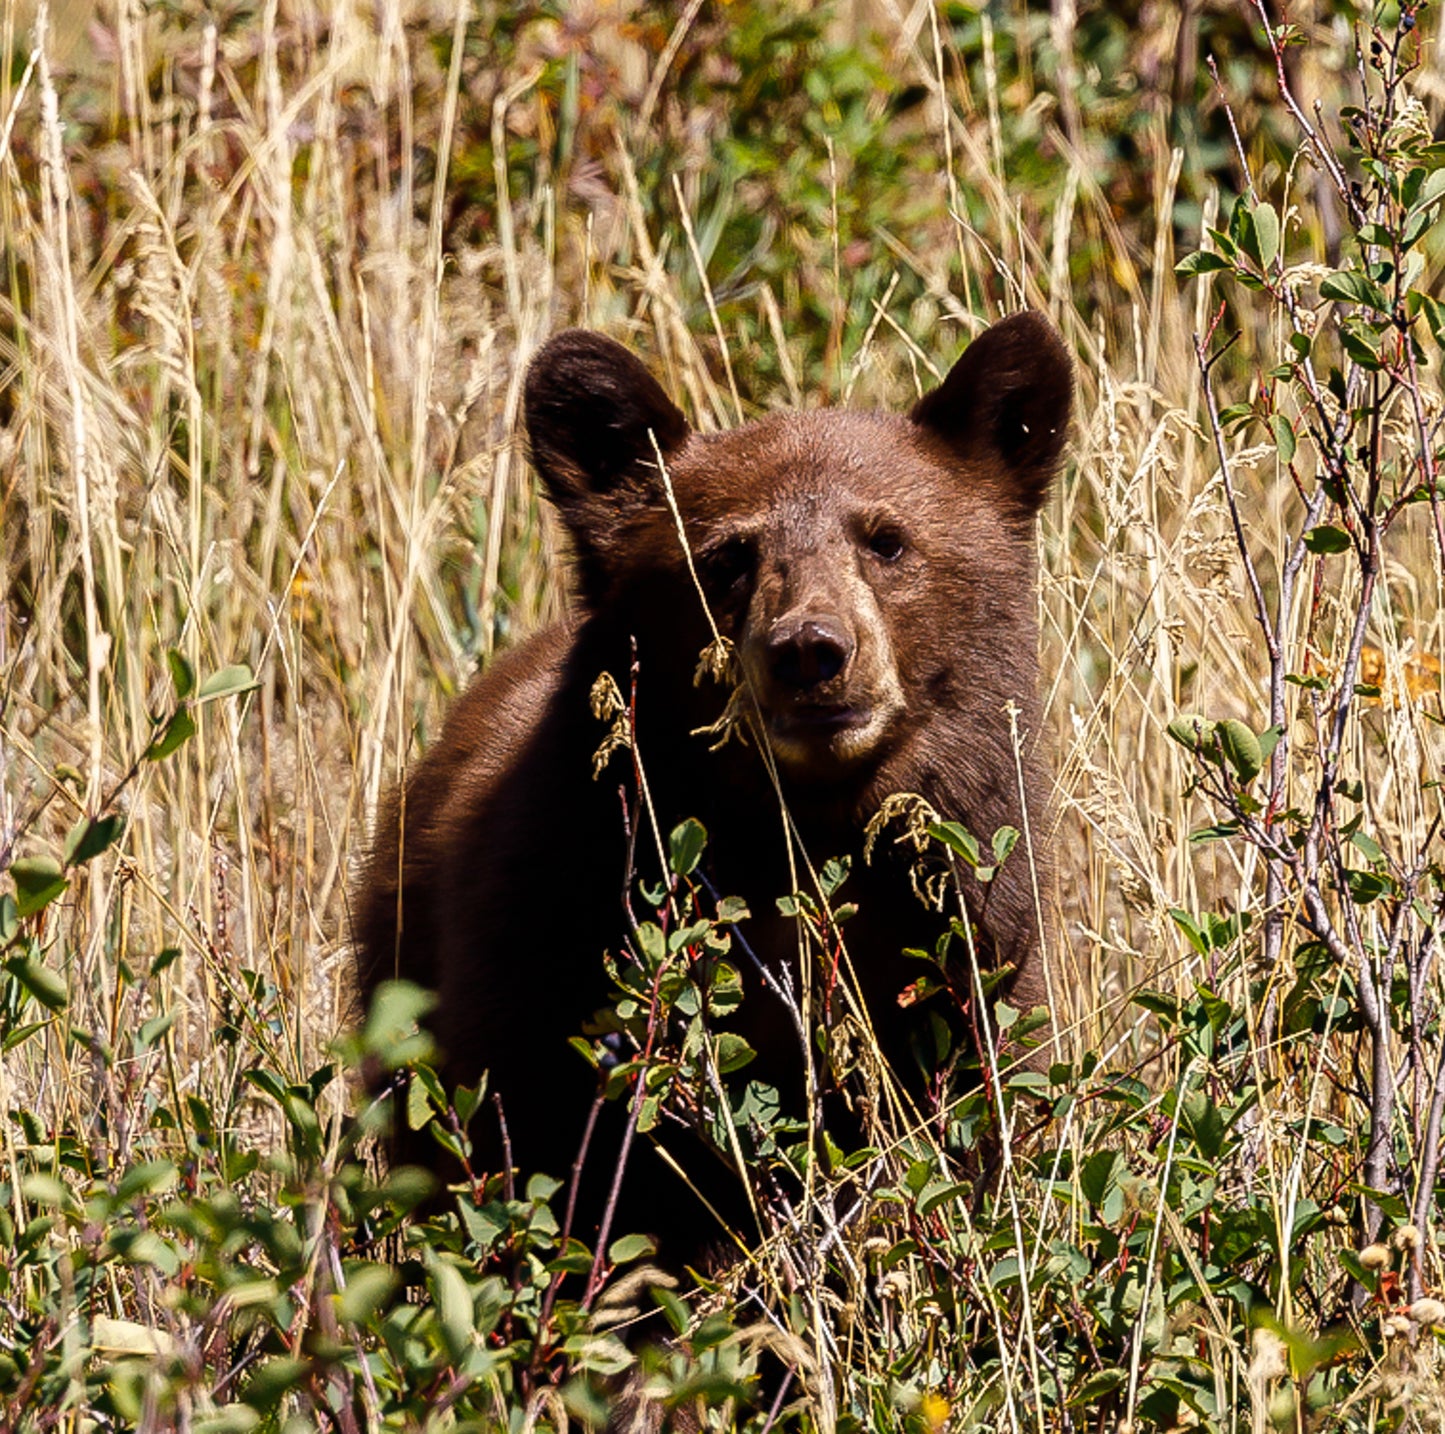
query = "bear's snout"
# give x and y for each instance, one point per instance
(826, 682)
(807, 651)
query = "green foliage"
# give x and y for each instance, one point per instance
(264, 1280)
(260, 1286)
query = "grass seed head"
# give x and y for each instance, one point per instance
(1428, 1312)
(1375, 1257)
(1270, 1360)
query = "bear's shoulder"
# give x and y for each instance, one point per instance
(495, 720)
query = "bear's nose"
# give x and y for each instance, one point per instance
(808, 652)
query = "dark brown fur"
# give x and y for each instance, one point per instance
(877, 575)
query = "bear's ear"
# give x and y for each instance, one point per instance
(589, 408)
(1008, 398)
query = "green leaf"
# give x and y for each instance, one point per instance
(368, 1287)
(629, 1248)
(1241, 227)
(1219, 831)
(1327, 539)
(466, 1100)
(673, 1308)
(273, 1379)
(1224, 243)
(455, 1316)
(575, 1259)
(1366, 886)
(1266, 229)
(1368, 845)
(180, 729)
(152, 1030)
(1099, 1174)
(182, 673)
(1351, 1262)
(1203, 262)
(248, 1293)
(391, 1031)
(1201, 1118)
(541, 1188)
(651, 945)
(958, 839)
(90, 836)
(1416, 227)
(1192, 929)
(1241, 749)
(227, 682)
(733, 1052)
(1166, 1007)
(228, 1419)
(1350, 286)
(20, 1035)
(1004, 840)
(1431, 192)
(1097, 1386)
(1361, 347)
(1284, 438)
(9, 919)
(485, 1226)
(267, 1082)
(167, 957)
(1192, 731)
(1417, 303)
(46, 1190)
(685, 846)
(152, 1177)
(38, 881)
(602, 1354)
(45, 985)
(942, 1192)
(731, 909)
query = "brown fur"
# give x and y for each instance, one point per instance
(877, 575)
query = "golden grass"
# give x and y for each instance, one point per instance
(256, 410)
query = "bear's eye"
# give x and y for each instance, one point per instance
(886, 544)
(728, 568)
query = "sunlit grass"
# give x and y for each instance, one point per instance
(260, 391)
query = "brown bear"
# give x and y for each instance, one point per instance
(876, 575)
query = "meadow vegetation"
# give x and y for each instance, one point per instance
(271, 278)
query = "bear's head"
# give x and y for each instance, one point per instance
(870, 568)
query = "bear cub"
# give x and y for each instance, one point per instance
(876, 576)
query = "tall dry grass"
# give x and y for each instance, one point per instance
(259, 405)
